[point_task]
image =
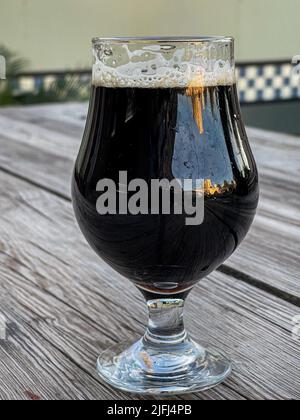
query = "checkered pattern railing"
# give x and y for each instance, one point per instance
(256, 82)
(268, 82)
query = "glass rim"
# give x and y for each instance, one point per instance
(163, 39)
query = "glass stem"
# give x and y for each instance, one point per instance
(166, 325)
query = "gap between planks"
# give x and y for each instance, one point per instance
(225, 269)
(256, 320)
(268, 253)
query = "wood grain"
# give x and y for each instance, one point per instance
(40, 144)
(66, 306)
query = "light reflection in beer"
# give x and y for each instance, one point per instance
(198, 101)
(211, 189)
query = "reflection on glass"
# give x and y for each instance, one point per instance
(165, 109)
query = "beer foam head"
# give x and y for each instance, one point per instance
(171, 65)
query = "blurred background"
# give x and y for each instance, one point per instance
(48, 50)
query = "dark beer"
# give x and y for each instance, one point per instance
(165, 188)
(167, 133)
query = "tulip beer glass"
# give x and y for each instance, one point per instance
(165, 188)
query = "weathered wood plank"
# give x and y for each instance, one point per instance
(59, 328)
(69, 119)
(58, 290)
(20, 379)
(278, 153)
(70, 114)
(32, 135)
(58, 129)
(32, 312)
(270, 252)
(267, 255)
(38, 154)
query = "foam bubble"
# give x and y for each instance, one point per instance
(152, 68)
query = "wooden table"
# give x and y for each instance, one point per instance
(61, 306)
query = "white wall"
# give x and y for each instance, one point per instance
(56, 34)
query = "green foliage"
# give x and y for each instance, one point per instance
(64, 88)
(14, 66)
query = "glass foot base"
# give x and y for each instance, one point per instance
(143, 368)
